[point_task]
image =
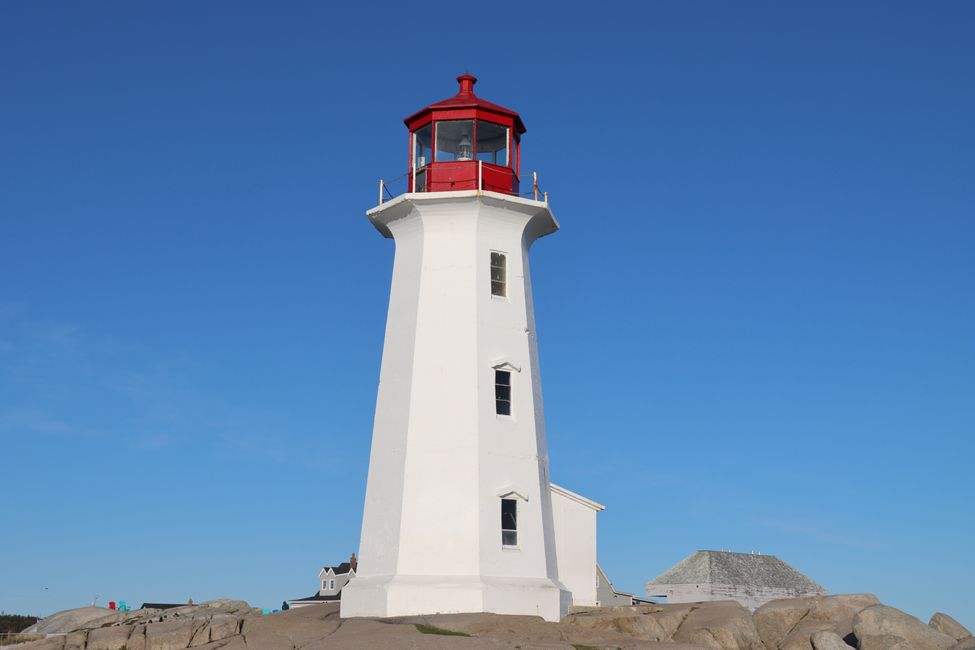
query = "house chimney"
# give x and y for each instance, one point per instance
(353, 562)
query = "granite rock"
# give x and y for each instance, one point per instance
(879, 627)
(947, 625)
(829, 641)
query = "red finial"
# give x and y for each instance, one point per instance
(466, 81)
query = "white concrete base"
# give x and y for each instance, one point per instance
(385, 596)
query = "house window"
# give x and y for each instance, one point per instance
(509, 522)
(331, 584)
(502, 392)
(499, 275)
(324, 585)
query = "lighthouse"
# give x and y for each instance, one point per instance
(458, 511)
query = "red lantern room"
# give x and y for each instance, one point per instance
(465, 143)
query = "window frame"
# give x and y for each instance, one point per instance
(503, 282)
(498, 399)
(435, 138)
(507, 143)
(509, 530)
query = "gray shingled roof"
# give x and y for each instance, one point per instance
(740, 569)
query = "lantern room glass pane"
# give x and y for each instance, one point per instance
(422, 146)
(492, 143)
(455, 140)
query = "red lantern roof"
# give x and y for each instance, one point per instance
(465, 143)
(465, 98)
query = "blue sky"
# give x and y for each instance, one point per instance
(756, 326)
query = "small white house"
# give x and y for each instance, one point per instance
(331, 580)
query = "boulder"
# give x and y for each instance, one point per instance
(800, 638)
(968, 643)
(506, 631)
(788, 623)
(137, 640)
(223, 626)
(775, 619)
(171, 635)
(829, 641)
(879, 627)
(68, 620)
(635, 625)
(722, 625)
(109, 638)
(947, 625)
(646, 622)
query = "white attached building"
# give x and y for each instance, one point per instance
(575, 544)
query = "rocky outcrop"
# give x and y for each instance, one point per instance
(68, 620)
(723, 625)
(646, 622)
(813, 623)
(882, 628)
(110, 638)
(947, 625)
(968, 643)
(828, 641)
(789, 623)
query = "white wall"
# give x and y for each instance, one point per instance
(750, 597)
(441, 458)
(575, 544)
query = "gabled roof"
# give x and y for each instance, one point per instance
(339, 570)
(578, 498)
(739, 569)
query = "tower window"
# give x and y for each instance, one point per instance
(502, 392)
(509, 522)
(499, 275)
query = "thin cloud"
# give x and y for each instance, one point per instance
(824, 534)
(27, 421)
(153, 442)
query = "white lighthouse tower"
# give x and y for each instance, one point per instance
(458, 511)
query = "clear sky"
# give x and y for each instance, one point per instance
(757, 325)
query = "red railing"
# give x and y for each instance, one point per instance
(453, 176)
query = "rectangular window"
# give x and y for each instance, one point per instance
(324, 585)
(331, 584)
(499, 275)
(502, 392)
(509, 522)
